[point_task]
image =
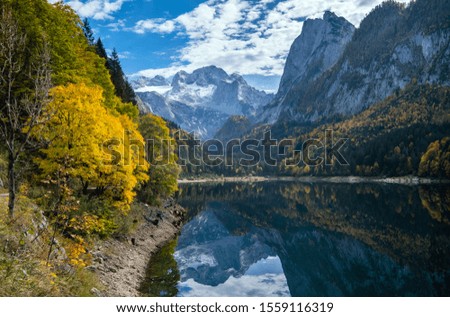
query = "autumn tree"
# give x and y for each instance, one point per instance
(88, 147)
(161, 155)
(25, 79)
(435, 162)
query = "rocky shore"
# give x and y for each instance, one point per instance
(120, 264)
(403, 180)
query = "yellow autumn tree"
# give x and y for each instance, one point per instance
(435, 162)
(86, 146)
(126, 167)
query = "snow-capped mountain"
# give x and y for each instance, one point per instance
(202, 101)
(211, 259)
(142, 82)
(157, 84)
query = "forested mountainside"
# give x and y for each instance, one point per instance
(71, 156)
(406, 134)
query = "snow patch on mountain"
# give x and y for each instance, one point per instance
(202, 101)
(158, 89)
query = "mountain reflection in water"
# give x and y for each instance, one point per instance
(298, 239)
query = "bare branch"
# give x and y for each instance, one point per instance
(22, 105)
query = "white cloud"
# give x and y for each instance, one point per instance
(125, 55)
(263, 278)
(154, 26)
(245, 36)
(96, 9)
(272, 285)
(165, 72)
(117, 26)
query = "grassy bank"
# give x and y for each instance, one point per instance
(26, 267)
(31, 265)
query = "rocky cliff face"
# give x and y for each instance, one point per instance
(316, 50)
(202, 101)
(393, 46)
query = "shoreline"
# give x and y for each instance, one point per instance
(121, 264)
(402, 180)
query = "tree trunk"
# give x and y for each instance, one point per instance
(12, 185)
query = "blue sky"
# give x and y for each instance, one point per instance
(249, 37)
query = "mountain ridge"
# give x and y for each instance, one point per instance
(393, 45)
(201, 101)
(314, 51)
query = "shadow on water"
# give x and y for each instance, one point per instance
(162, 273)
(281, 239)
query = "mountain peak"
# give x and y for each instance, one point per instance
(238, 78)
(333, 70)
(201, 101)
(159, 77)
(208, 75)
(210, 69)
(205, 76)
(317, 49)
(329, 15)
(143, 81)
(336, 22)
(179, 78)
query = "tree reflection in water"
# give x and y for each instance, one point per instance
(332, 239)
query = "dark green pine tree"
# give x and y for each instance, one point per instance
(123, 87)
(88, 33)
(100, 49)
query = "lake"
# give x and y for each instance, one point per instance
(307, 239)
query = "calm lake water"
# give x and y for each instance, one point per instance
(315, 239)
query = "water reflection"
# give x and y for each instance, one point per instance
(216, 261)
(281, 239)
(263, 278)
(162, 274)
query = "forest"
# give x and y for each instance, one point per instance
(404, 135)
(73, 153)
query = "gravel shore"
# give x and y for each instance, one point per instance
(120, 264)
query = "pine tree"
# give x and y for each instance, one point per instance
(123, 88)
(116, 73)
(87, 30)
(100, 49)
(114, 64)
